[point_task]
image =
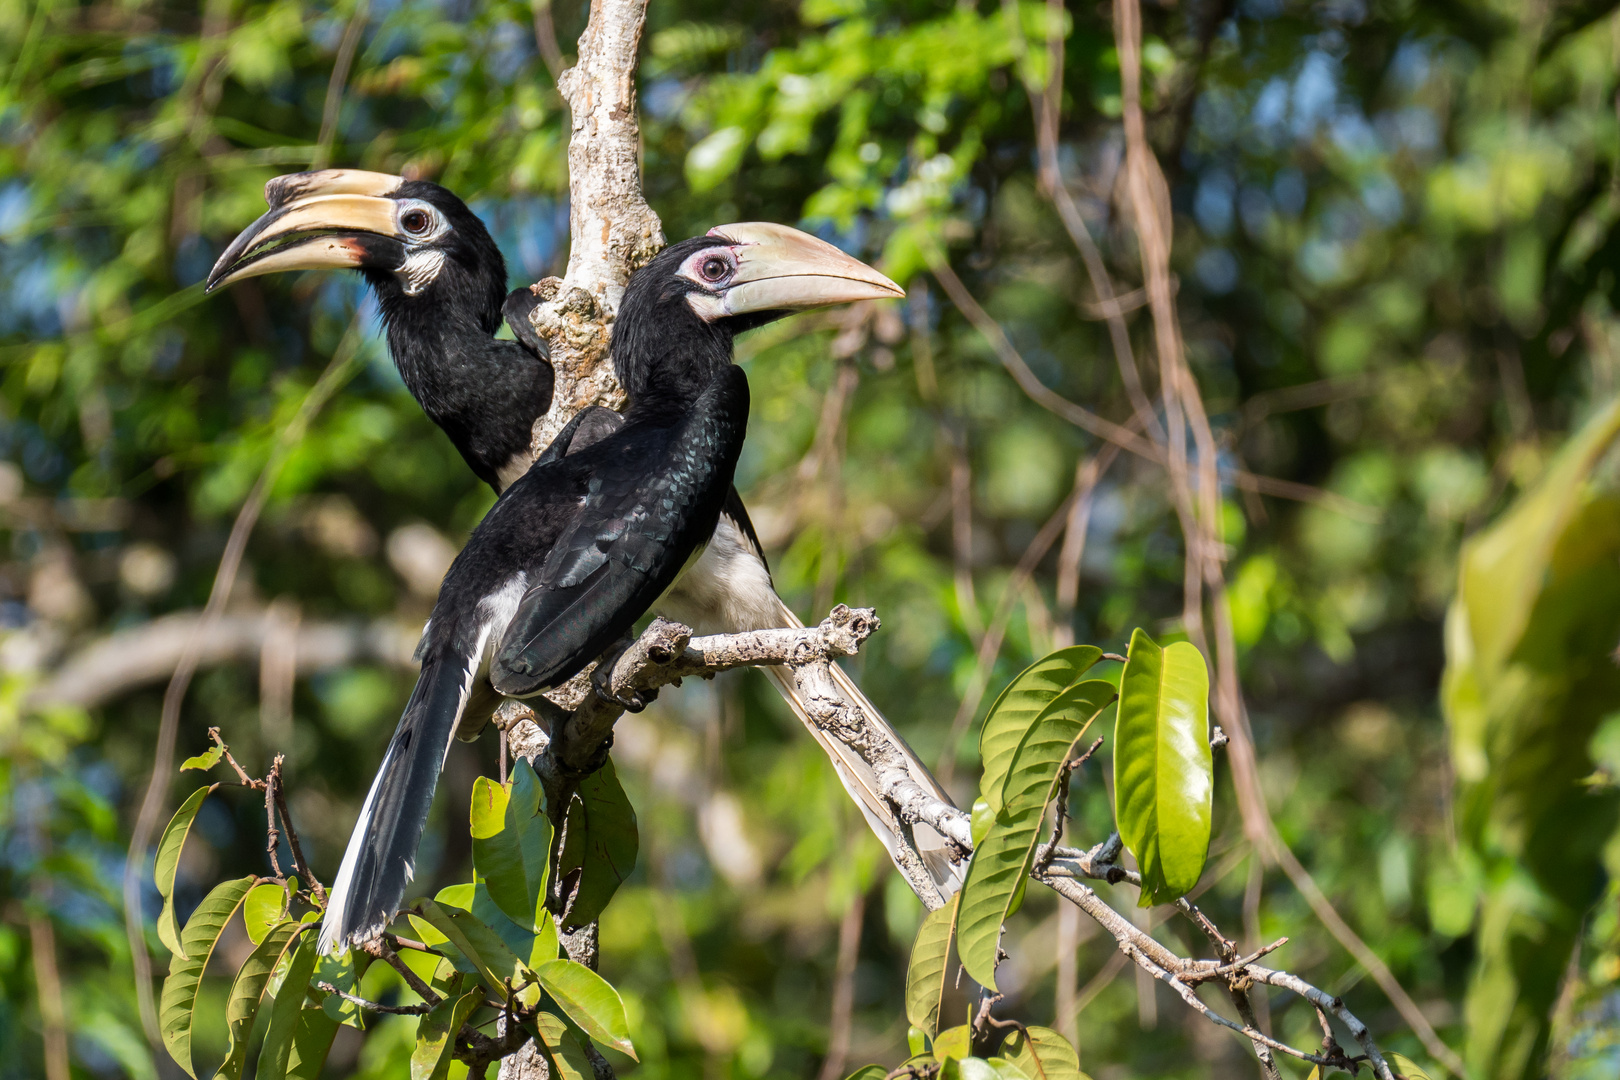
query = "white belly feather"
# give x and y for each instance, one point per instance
(725, 589)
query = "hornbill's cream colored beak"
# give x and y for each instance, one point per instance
(783, 269)
(334, 217)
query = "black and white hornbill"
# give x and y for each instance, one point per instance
(620, 515)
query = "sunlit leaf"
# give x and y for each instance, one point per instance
(1018, 706)
(265, 906)
(178, 1006)
(956, 1042)
(1001, 862)
(248, 989)
(600, 845)
(168, 862)
(1163, 769)
(1042, 1055)
(464, 932)
(205, 760)
(288, 1010)
(567, 1059)
(927, 976)
(1404, 1067)
(868, 1072)
(589, 1001)
(436, 1036)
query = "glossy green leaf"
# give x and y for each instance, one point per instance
(589, 1001)
(312, 1041)
(168, 862)
(265, 906)
(980, 820)
(1018, 706)
(248, 989)
(205, 760)
(178, 1005)
(916, 1040)
(436, 1036)
(288, 1010)
(956, 1042)
(1042, 1055)
(973, 1068)
(566, 1057)
(464, 932)
(1163, 770)
(1001, 862)
(599, 845)
(512, 845)
(927, 975)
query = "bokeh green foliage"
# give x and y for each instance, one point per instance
(1396, 259)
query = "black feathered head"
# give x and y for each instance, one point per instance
(680, 311)
(416, 243)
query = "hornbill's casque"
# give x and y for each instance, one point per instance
(618, 516)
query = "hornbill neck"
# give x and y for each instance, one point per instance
(485, 394)
(664, 355)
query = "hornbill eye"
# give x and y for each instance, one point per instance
(416, 222)
(714, 268)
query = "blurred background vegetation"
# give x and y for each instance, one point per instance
(1396, 257)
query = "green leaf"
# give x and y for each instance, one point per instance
(1405, 1067)
(248, 989)
(265, 906)
(279, 1039)
(1001, 862)
(1018, 706)
(1163, 770)
(1043, 1055)
(980, 820)
(343, 971)
(956, 1042)
(464, 932)
(178, 1007)
(868, 1072)
(311, 1043)
(589, 1001)
(916, 1040)
(205, 760)
(567, 1060)
(600, 843)
(168, 861)
(927, 976)
(1006, 1070)
(972, 1068)
(436, 1034)
(512, 845)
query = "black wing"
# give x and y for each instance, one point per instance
(651, 503)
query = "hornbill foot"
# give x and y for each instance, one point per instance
(602, 682)
(516, 310)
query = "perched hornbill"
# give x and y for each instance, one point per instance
(440, 281)
(619, 515)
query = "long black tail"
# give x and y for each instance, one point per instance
(381, 856)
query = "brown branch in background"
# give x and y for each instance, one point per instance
(278, 672)
(299, 862)
(990, 643)
(48, 985)
(333, 105)
(545, 39)
(337, 372)
(922, 341)
(1087, 475)
(843, 999)
(967, 600)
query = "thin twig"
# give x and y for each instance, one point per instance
(376, 1006)
(333, 106)
(272, 834)
(299, 862)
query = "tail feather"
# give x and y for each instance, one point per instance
(861, 781)
(380, 859)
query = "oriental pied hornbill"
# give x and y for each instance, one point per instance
(618, 516)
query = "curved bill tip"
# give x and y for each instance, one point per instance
(783, 269)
